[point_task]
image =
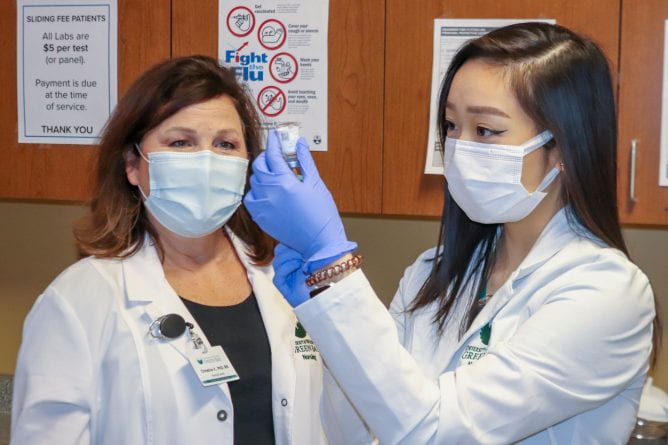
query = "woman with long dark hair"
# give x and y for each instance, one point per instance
(528, 322)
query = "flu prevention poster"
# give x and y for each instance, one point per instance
(278, 48)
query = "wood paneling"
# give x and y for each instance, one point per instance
(379, 85)
(352, 165)
(194, 30)
(65, 172)
(406, 190)
(640, 110)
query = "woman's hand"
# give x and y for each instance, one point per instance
(289, 275)
(301, 215)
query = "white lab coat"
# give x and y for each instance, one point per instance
(88, 372)
(566, 361)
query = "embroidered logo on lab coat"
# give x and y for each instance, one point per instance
(485, 334)
(477, 348)
(304, 346)
(300, 332)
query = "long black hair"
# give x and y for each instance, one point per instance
(562, 81)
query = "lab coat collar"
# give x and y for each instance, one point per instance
(146, 284)
(147, 287)
(145, 277)
(558, 232)
(143, 274)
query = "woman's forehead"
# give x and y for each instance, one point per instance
(479, 84)
(221, 108)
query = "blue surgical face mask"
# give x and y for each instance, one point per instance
(194, 194)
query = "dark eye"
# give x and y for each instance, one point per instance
(449, 126)
(226, 145)
(180, 143)
(484, 132)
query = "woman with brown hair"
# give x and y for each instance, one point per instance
(170, 330)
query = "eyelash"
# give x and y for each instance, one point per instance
(480, 130)
(180, 143)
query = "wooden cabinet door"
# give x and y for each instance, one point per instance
(406, 189)
(352, 165)
(66, 172)
(641, 199)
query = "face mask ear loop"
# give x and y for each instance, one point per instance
(537, 141)
(141, 153)
(547, 180)
(142, 192)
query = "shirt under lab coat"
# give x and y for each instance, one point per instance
(88, 372)
(566, 361)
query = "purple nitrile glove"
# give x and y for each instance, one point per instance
(300, 214)
(289, 276)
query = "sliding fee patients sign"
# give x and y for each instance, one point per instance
(66, 69)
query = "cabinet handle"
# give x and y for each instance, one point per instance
(632, 179)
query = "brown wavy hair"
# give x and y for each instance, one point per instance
(117, 223)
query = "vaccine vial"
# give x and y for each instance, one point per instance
(288, 133)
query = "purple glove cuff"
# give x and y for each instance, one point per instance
(328, 255)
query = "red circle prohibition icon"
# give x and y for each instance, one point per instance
(271, 101)
(244, 23)
(286, 67)
(271, 34)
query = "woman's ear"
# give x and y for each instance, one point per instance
(553, 154)
(132, 161)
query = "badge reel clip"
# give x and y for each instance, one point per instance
(211, 365)
(172, 326)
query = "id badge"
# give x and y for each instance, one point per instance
(212, 366)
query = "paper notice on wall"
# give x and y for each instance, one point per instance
(279, 49)
(66, 70)
(449, 36)
(663, 157)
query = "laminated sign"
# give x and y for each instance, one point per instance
(66, 70)
(279, 50)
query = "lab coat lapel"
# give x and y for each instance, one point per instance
(556, 234)
(147, 288)
(280, 323)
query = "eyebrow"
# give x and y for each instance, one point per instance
(183, 129)
(223, 131)
(228, 131)
(474, 109)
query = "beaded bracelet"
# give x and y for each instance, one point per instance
(332, 271)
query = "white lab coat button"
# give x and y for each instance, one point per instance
(284, 402)
(222, 415)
